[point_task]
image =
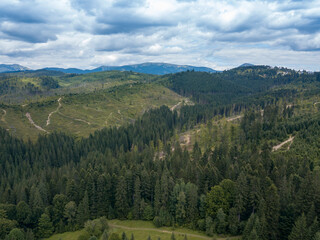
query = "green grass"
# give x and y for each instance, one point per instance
(142, 230)
(67, 236)
(84, 113)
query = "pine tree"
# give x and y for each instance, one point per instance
(23, 213)
(253, 235)
(59, 203)
(132, 236)
(300, 230)
(220, 222)
(83, 213)
(124, 236)
(180, 208)
(45, 227)
(272, 214)
(70, 213)
(157, 198)
(136, 199)
(317, 236)
(121, 203)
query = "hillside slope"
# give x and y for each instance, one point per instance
(82, 114)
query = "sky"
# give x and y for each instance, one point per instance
(217, 34)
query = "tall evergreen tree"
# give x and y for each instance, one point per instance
(45, 226)
(300, 230)
(121, 203)
(137, 199)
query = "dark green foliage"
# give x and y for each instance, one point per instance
(114, 236)
(6, 226)
(45, 227)
(16, 234)
(49, 82)
(124, 236)
(300, 230)
(96, 227)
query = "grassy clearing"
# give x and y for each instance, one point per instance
(66, 236)
(82, 114)
(142, 230)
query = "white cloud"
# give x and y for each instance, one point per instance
(218, 34)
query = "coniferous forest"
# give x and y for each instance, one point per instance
(233, 181)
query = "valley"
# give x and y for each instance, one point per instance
(156, 155)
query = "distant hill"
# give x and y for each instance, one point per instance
(247, 65)
(12, 68)
(150, 68)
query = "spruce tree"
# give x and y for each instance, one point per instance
(157, 198)
(124, 236)
(300, 230)
(121, 203)
(83, 213)
(136, 199)
(45, 227)
(272, 214)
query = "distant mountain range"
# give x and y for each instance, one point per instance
(12, 68)
(150, 68)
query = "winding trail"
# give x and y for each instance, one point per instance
(55, 111)
(4, 115)
(28, 115)
(230, 119)
(175, 106)
(277, 147)
(165, 231)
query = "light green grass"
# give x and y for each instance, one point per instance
(143, 229)
(82, 114)
(66, 236)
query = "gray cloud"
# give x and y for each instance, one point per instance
(183, 31)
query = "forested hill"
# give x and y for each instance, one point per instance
(228, 86)
(253, 169)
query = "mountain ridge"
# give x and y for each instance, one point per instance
(12, 68)
(148, 67)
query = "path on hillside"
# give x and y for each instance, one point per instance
(186, 102)
(28, 115)
(165, 231)
(277, 147)
(4, 115)
(316, 103)
(230, 119)
(175, 106)
(55, 111)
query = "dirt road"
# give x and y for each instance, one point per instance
(28, 115)
(55, 111)
(277, 147)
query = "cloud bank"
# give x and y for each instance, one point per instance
(217, 34)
